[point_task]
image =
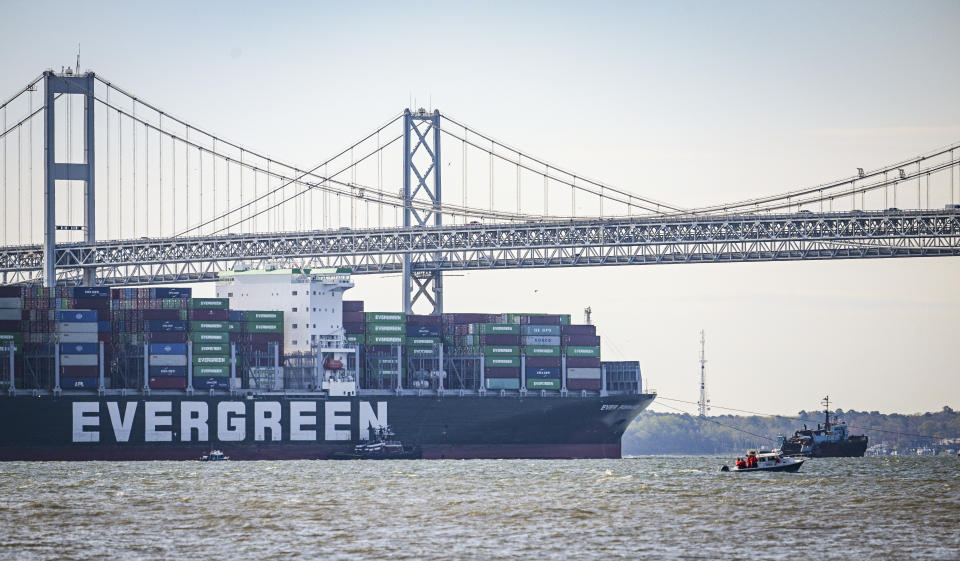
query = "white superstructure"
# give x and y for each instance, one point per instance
(311, 301)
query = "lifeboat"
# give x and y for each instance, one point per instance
(332, 364)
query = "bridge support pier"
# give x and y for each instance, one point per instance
(421, 203)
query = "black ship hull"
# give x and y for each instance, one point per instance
(853, 447)
(271, 427)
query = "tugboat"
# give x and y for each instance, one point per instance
(829, 440)
(765, 460)
(214, 456)
(381, 446)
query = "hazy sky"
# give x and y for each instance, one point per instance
(687, 102)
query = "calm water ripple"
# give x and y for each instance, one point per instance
(650, 507)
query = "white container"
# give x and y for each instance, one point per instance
(168, 360)
(583, 373)
(79, 360)
(11, 303)
(77, 327)
(15, 314)
(76, 337)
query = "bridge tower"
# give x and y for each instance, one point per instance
(66, 84)
(421, 183)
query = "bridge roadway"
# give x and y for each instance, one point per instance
(575, 243)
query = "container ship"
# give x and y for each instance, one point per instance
(279, 366)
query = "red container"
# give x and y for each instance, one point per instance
(544, 361)
(352, 317)
(578, 330)
(464, 319)
(91, 303)
(166, 336)
(12, 325)
(353, 305)
(80, 371)
(501, 371)
(354, 328)
(218, 315)
(168, 383)
(579, 384)
(424, 320)
(582, 361)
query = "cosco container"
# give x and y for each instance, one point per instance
(542, 384)
(168, 360)
(503, 383)
(168, 348)
(582, 351)
(209, 303)
(545, 341)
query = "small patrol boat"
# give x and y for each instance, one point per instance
(382, 446)
(765, 460)
(214, 456)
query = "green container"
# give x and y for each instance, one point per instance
(543, 384)
(263, 327)
(355, 338)
(494, 329)
(501, 361)
(211, 360)
(254, 315)
(386, 339)
(565, 319)
(210, 337)
(7, 337)
(385, 317)
(235, 327)
(421, 352)
(209, 303)
(540, 330)
(539, 350)
(209, 325)
(503, 383)
(386, 328)
(501, 350)
(583, 351)
(423, 341)
(215, 371)
(211, 349)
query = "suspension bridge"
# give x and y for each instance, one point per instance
(102, 187)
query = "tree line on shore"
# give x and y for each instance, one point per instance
(682, 433)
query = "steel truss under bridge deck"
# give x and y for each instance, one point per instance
(576, 243)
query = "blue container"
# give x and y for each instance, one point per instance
(74, 383)
(165, 325)
(171, 292)
(542, 373)
(168, 371)
(211, 382)
(103, 326)
(77, 316)
(236, 315)
(423, 330)
(168, 348)
(89, 292)
(79, 348)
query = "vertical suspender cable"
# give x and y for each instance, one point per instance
(146, 178)
(19, 187)
(119, 176)
(30, 187)
(107, 158)
(546, 192)
(200, 157)
(227, 223)
(68, 127)
(491, 175)
(573, 196)
(380, 181)
(160, 189)
(5, 221)
(213, 160)
(464, 203)
(186, 157)
(133, 130)
(173, 180)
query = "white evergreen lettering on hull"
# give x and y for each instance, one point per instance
(161, 422)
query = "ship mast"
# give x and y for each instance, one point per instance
(702, 405)
(826, 412)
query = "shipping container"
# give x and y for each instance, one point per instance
(79, 360)
(89, 292)
(222, 349)
(386, 328)
(88, 327)
(165, 325)
(263, 315)
(386, 339)
(464, 319)
(543, 384)
(79, 348)
(583, 362)
(67, 338)
(494, 329)
(209, 303)
(209, 326)
(542, 351)
(584, 373)
(422, 352)
(210, 337)
(580, 341)
(355, 328)
(578, 330)
(422, 341)
(423, 330)
(544, 341)
(385, 317)
(11, 325)
(501, 350)
(76, 316)
(355, 338)
(156, 370)
(6, 338)
(501, 372)
(168, 383)
(211, 383)
(210, 360)
(168, 349)
(11, 314)
(262, 327)
(171, 292)
(11, 291)
(211, 370)
(168, 360)
(543, 361)
(501, 361)
(540, 330)
(352, 317)
(503, 383)
(85, 383)
(542, 372)
(499, 339)
(210, 315)
(582, 351)
(11, 302)
(166, 336)
(578, 384)
(90, 371)
(435, 321)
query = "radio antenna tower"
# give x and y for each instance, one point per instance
(704, 404)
